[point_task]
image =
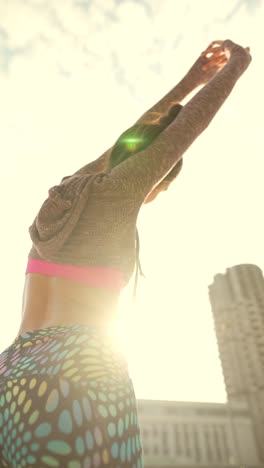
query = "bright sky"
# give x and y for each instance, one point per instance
(73, 76)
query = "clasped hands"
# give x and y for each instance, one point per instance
(214, 58)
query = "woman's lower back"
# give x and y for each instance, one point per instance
(50, 301)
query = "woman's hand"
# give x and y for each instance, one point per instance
(210, 62)
(214, 58)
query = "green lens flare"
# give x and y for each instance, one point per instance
(132, 143)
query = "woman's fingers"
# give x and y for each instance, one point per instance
(214, 53)
(216, 62)
(214, 57)
(216, 42)
(213, 46)
(222, 47)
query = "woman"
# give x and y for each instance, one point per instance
(66, 398)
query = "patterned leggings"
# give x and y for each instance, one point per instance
(66, 400)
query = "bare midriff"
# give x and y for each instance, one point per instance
(51, 301)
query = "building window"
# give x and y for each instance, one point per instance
(225, 443)
(145, 449)
(217, 444)
(196, 445)
(211, 411)
(165, 442)
(244, 286)
(187, 441)
(207, 444)
(156, 450)
(177, 440)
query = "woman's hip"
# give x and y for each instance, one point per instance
(66, 399)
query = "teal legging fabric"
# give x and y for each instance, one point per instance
(66, 400)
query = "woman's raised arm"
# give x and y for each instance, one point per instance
(204, 68)
(139, 174)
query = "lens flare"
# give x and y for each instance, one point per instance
(133, 143)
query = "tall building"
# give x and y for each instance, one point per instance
(205, 435)
(188, 435)
(237, 300)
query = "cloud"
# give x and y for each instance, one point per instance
(80, 55)
(131, 39)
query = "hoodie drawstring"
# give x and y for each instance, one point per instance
(138, 267)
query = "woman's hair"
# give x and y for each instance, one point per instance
(139, 137)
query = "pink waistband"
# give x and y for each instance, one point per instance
(94, 276)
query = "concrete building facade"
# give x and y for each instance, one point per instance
(237, 300)
(176, 434)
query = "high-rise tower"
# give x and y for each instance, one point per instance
(237, 300)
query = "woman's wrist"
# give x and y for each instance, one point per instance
(238, 56)
(239, 61)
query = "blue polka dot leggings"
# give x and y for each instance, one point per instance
(66, 400)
